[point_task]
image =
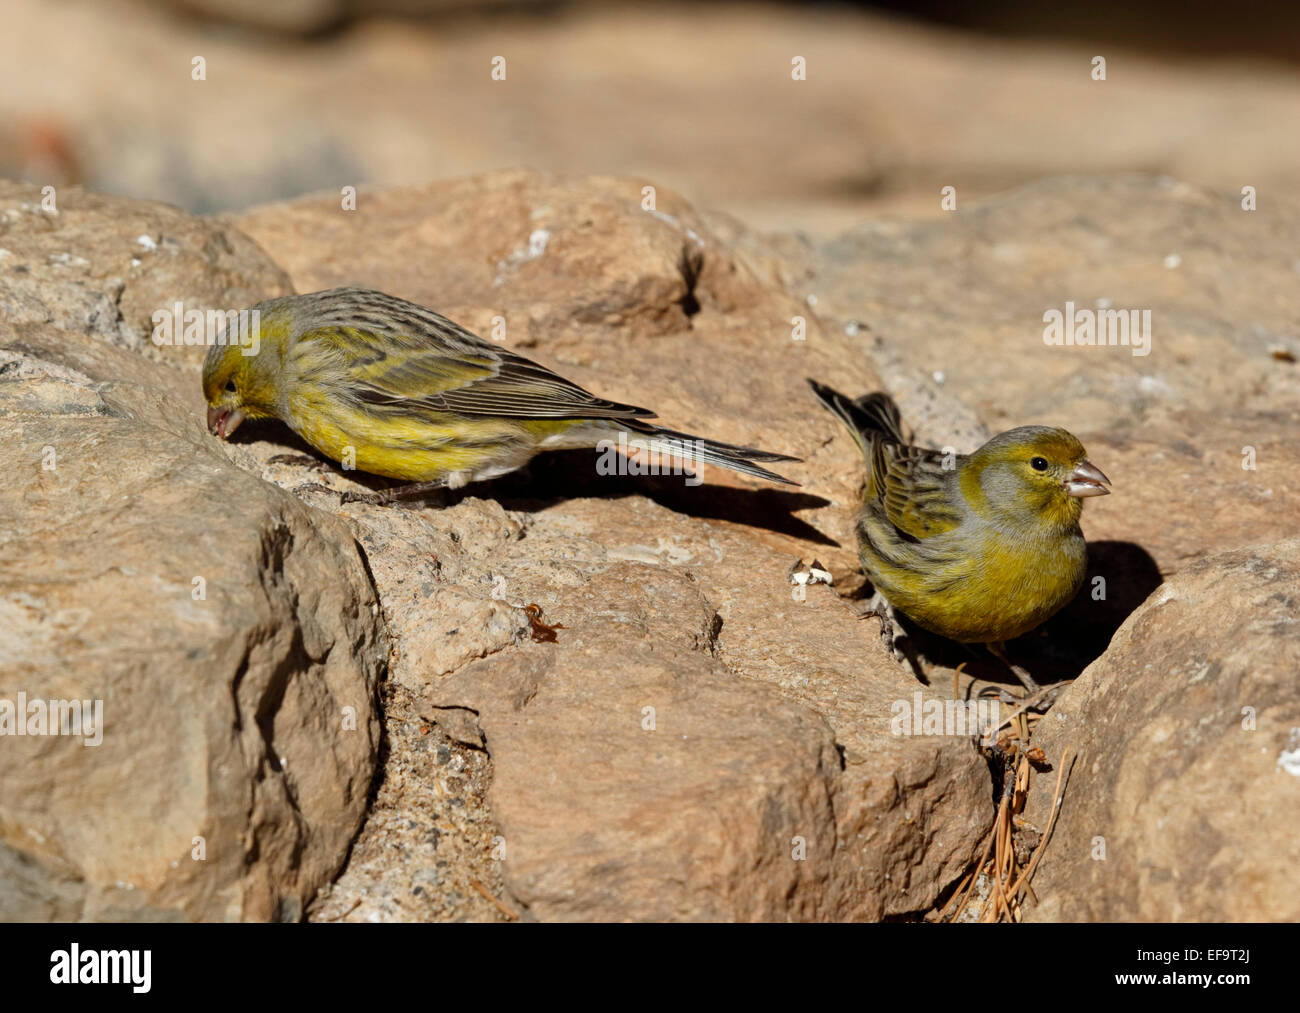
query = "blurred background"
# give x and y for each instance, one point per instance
(900, 99)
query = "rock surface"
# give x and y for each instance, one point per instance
(677, 733)
(105, 265)
(231, 638)
(770, 716)
(966, 296)
(1184, 802)
(1158, 443)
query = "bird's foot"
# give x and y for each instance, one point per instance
(893, 635)
(390, 496)
(301, 460)
(1041, 702)
(313, 487)
(999, 651)
(878, 608)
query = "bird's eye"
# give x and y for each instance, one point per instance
(1038, 463)
(230, 386)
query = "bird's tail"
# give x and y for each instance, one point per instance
(695, 449)
(867, 416)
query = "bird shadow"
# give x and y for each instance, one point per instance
(559, 475)
(1120, 577)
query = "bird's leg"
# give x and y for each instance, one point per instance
(302, 460)
(893, 635)
(313, 487)
(878, 608)
(392, 495)
(999, 650)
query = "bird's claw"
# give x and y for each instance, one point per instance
(390, 496)
(366, 498)
(879, 608)
(301, 460)
(1042, 701)
(313, 487)
(999, 651)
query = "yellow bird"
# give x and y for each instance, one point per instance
(979, 548)
(406, 393)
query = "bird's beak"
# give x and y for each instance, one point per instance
(1087, 480)
(224, 421)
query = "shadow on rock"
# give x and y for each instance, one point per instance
(1121, 576)
(554, 476)
(571, 474)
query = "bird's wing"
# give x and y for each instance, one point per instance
(443, 367)
(915, 488)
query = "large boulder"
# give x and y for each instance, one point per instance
(1183, 803)
(224, 635)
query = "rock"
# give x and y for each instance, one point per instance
(105, 265)
(637, 777)
(966, 297)
(605, 700)
(1220, 482)
(669, 595)
(1182, 804)
(427, 851)
(656, 789)
(228, 632)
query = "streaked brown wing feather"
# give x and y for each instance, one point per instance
(426, 362)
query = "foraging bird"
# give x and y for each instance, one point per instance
(406, 393)
(979, 548)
